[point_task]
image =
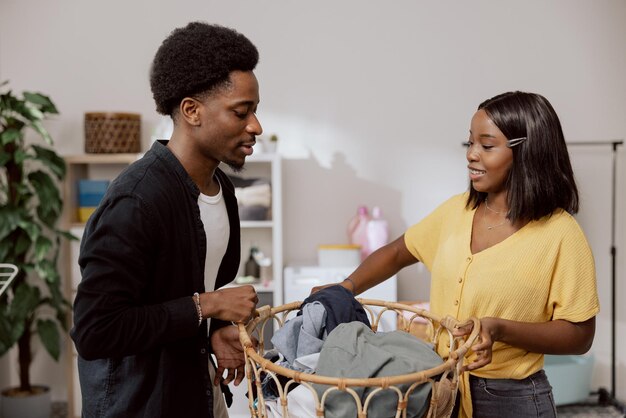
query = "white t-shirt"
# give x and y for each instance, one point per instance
(217, 230)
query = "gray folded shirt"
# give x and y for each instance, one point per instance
(353, 350)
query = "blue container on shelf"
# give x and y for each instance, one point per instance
(91, 192)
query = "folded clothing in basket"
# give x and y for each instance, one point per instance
(319, 314)
(301, 338)
(340, 305)
(353, 350)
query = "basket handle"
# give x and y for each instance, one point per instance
(259, 315)
(450, 322)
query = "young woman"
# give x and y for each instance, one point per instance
(509, 252)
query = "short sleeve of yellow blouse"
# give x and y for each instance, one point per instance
(552, 255)
(423, 238)
(573, 294)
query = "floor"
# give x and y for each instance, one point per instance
(59, 410)
(589, 412)
(591, 409)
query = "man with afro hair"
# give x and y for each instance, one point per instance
(151, 307)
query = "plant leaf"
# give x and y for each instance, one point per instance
(52, 160)
(9, 332)
(10, 135)
(20, 111)
(22, 243)
(62, 318)
(24, 193)
(28, 268)
(57, 301)
(4, 158)
(11, 217)
(42, 101)
(30, 227)
(43, 246)
(49, 335)
(13, 119)
(50, 204)
(6, 336)
(24, 302)
(6, 341)
(42, 131)
(67, 235)
(34, 112)
(20, 156)
(47, 271)
(4, 250)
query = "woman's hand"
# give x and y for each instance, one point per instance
(484, 345)
(318, 288)
(349, 286)
(551, 337)
(377, 267)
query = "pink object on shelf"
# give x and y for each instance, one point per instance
(421, 305)
(357, 230)
(377, 231)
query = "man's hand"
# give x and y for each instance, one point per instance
(229, 354)
(236, 304)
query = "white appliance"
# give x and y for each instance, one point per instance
(299, 280)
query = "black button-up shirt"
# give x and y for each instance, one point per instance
(141, 351)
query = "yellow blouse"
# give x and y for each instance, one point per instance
(544, 271)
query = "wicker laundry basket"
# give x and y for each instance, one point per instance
(443, 389)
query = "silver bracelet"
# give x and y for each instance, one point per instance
(196, 299)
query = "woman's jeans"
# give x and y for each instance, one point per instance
(499, 398)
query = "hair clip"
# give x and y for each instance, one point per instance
(513, 142)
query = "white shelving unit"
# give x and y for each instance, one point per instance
(266, 234)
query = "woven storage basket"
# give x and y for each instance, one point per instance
(443, 390)
(112, 132)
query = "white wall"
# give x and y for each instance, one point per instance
(371, 100)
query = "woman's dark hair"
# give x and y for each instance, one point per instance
(541, 178)
(196, 59)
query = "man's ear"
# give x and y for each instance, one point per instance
(190, 111)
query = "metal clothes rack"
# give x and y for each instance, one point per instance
(7, 274)
(606, 397)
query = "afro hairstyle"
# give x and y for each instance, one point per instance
(195, 59)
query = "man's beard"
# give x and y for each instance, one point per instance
(236, 167)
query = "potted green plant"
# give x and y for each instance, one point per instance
(30, 207)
